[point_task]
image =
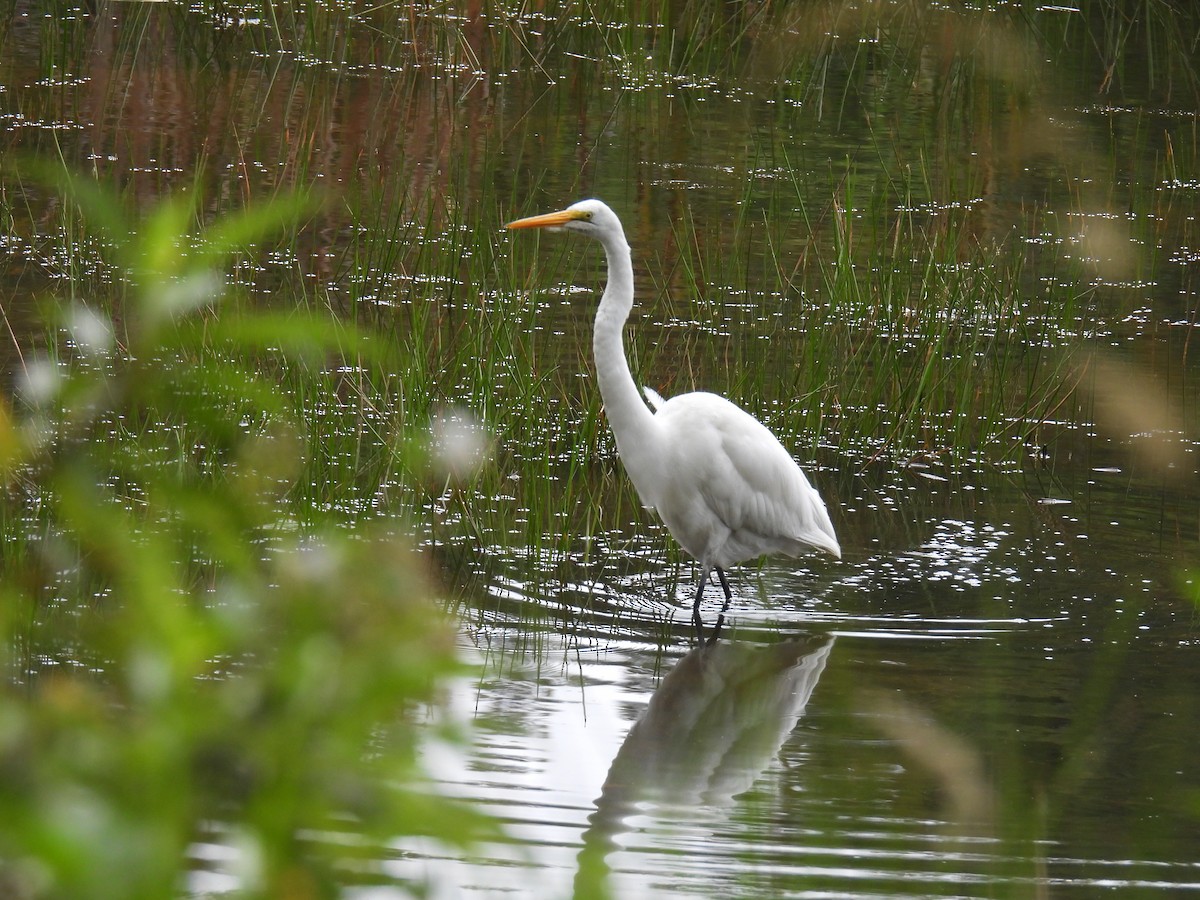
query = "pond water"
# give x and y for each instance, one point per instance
(995, 692)
(984, 699)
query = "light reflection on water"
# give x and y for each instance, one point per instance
(969, 709)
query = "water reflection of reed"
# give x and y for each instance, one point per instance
(149, 106)
(710, 729)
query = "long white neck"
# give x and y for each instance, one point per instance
(631, 421)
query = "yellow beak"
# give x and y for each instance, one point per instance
(549, 220)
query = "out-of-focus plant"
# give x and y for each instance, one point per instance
(182, 663)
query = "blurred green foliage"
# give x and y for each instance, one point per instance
(181, 662)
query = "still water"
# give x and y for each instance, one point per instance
(986, 698)
(994, 693)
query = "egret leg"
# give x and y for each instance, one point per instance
(725, 587)
(696, 606)
(712, 638)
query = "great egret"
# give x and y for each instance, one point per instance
(724, 486)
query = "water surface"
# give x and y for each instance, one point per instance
(983, 701)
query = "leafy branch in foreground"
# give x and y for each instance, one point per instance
(180, 658)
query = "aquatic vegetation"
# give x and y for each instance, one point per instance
(183, 662)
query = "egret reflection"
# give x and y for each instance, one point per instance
(709, 731)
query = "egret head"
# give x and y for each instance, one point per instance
(590, 217)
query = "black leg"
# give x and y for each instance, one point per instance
(696, 606)
(712, 638)
(725, 587)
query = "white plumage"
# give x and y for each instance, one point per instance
(724, 486)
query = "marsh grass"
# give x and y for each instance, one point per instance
(890, 318)
(161, 606)
(920, 339)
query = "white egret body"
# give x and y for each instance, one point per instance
(724, 486)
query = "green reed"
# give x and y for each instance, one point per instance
(903, 341)
(224, 661)
(895, 338)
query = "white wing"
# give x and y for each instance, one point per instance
(729, 491)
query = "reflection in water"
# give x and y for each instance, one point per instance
(708, 732)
